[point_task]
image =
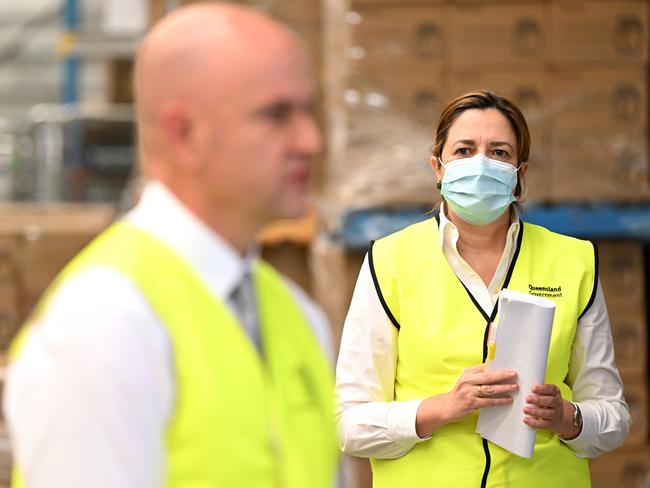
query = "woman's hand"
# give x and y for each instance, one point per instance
(547, 410)
(476, 388)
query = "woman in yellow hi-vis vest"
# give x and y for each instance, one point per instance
(410, 374)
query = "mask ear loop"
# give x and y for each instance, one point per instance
(439, 182)
(521, 182)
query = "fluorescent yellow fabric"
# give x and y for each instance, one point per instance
(239, 419)
(441, 332)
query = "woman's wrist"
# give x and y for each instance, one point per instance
(431, 415)
(568, 429)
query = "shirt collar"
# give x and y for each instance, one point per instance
(447, 226)
(162, 214)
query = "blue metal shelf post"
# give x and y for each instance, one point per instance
(70, 89)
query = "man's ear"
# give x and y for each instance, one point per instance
(180, 134)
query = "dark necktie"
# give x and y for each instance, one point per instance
(244, 305)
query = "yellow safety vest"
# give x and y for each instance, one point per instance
(442, 331)
(239, 419)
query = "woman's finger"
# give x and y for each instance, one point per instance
(493, 401)
(543, 401)
(498, 390)
(492, 377)
(537, 423)
(546, 389)
(540, 413)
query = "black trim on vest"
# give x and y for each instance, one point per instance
(478, 307)
(378, 289)
(488, 461)
(486, 447)
(506, 282)
(489, 319)
(593, 291)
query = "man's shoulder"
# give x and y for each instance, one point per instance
(96, 306)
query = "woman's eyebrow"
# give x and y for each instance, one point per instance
(467, 142)
(501, 143)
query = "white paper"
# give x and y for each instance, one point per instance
(522, 338)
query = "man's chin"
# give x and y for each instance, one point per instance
(294, 209)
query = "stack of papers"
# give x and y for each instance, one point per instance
(520, 343)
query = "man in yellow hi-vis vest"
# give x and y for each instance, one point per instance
(166, 354)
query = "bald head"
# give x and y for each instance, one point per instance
(224, 99)
(201, 52)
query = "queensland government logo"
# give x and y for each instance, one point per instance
(545, 291)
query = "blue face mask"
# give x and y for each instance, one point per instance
(479, 189)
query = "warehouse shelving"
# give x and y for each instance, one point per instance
(588, 221)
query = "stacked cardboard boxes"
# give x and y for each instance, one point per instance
(578, 69)
(599, 93)
(622, 273)
(384, 86)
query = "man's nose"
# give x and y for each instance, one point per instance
(307, 137)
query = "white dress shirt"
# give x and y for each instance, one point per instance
(88, 398)
(372, 424)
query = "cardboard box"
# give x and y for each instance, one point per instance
(376, 99)
(35, 244)
(621, 468)
(599, 135)
(334, 275)
(529, 90)
(396, 35)
(629, 332)
(43, 257)
(636, 396)
(380, 134)
(621, 271)
(290, 11)
(600, 167)
(599, 31)
(509, 2)
(596, 101)
(10, 323)
(6, 459)
(8, 263)
(491, 34)
(291, 260)
(120, 81)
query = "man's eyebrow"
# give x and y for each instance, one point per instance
(287, 104)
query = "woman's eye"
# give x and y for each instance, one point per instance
(500, 153)
(463, 151)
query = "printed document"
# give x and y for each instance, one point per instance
(520, 342)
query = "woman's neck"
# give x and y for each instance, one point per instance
(480, 238)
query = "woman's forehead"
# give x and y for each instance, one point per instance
(481, 125)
